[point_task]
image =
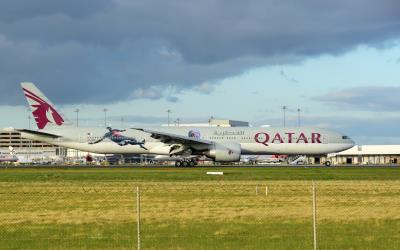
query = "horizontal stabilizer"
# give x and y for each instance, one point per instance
(34, 132)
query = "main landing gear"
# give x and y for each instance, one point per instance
(185, 163)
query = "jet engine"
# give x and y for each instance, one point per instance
(225, 152)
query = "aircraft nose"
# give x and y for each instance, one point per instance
(351, 143)
(348, 142)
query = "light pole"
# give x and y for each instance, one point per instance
(29, 121)
(105, 117)
(77, 125)
(284, 115)
(168, 112)
(177, 121)
(30, 141)
(298, 117)
(77, 117)
(210, 121)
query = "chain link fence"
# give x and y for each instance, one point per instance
(200, 215)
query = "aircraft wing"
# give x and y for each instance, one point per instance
(169, 138)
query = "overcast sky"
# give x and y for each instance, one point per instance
(338, 61)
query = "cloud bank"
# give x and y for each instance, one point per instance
(100, 51)
(370, 98)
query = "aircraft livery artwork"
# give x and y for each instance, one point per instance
(116, 136)
(194, 133)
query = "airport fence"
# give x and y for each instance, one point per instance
(202, 215)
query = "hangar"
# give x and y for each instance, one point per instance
(368, 154)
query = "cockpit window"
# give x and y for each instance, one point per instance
(345, 137)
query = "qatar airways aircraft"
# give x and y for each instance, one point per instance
(219, 144)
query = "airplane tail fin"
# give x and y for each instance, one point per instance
(43, 110)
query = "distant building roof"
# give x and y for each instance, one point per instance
(229, 123)
(211, 123)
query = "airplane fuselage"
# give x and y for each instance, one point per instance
(252, 140)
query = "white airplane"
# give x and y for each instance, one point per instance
(264, 159)
(219, 144)
(10, 157)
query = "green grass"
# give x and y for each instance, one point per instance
(68, 236)
(196, 174)
(186, 209)
(369, 234)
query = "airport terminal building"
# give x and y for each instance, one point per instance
(30, 149)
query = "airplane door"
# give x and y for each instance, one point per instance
(81, 138)
(325, 139)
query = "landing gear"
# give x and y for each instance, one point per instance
(328, 163)
(185, 163)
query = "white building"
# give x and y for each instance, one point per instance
(211, 123)
(368, 154)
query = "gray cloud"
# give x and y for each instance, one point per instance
(100, 51)
(288, 78)
(204, 88)
(373, 98)
(153, 92)
(19, 10)
(172, 99)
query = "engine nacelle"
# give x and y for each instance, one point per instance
(225, 152)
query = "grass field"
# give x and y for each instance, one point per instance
(186, 209)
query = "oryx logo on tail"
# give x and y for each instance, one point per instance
(42, 110)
